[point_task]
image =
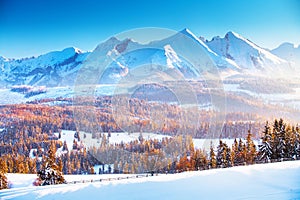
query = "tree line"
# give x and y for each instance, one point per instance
(279, 141)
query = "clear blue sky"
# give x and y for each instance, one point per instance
(33, 27)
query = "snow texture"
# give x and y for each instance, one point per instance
(265, 181)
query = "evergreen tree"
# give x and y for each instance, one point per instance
(200, 161)
(219, 157)
(251, 149)
(265, 148)
(278, 139)
(281, 137)
(296, 150)
(50, 174)
(227, 156)
(290, 142)
(65, 146)
(240, 155)
(223, 155)
(3, 171)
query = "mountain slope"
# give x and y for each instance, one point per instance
(181, 55)
(250, 57)
(51, 69)
(289, 52)
(182, 41)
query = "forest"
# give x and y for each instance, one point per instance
(25, 127)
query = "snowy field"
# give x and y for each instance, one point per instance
(115, 138)
(118, 138)
(266, 181)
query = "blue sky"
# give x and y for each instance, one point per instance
(32, 27)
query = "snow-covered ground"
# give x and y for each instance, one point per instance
(264, 181)
(118, 138)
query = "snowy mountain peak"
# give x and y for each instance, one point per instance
(232, 54)
(3, 59)
(115, 46)
(186, 31)
(107, 45)
(245, 53)
(123, 45)
(51, 69)
(112, 40)
(235, 36)
(190, 34)
(71, 51)
(289, 52)
(288, 45)
(203, 39)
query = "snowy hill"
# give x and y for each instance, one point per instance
(182, 55)
(264, 181)
(289, 52)
(247, 55)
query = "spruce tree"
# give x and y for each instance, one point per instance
(223, 155)
(281, 137)
(251, 149)
(235, 153)
(220, 150)
(290, 142)
(212, 158)
(3, 171)
(50, 173)
(296, 150)
(265, 148)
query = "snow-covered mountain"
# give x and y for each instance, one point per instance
(182, 54)
(51, 69)
(247, 55)
(289, 52)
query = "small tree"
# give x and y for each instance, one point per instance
(251, 149)
(3, 171)
(265, 149)
(212, 158)
(50, 173)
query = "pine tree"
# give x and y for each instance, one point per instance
(232, 156)
(50, 174)
(296, 150)
(281, 137)
(3, 171)
(235, 152)
(265, 148)
(290, 142)
(240, 158)
(199, 159)
(251, 149)
(278, 139)
(223, 155)
(226, 156)
(219, 154)
(65, 146)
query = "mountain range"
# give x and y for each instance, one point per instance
(232, 55)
